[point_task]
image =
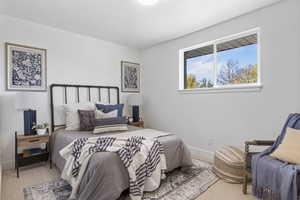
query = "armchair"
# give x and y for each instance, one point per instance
(273, 178)
(248, 158)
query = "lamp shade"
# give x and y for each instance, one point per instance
(25, 101)
(135, 100)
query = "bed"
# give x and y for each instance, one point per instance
(105, 177)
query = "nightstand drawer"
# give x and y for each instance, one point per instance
(25, 142)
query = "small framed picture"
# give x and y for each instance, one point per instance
(130, 76)
(26, 68)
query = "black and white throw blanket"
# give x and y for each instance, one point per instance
(143, 157)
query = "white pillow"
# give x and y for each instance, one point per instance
(112, 128)
(72, 116)
(100, 114)
(72, 121)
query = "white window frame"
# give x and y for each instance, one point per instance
(222, 88)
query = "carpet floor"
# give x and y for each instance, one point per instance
(186, 184)
(12, 187)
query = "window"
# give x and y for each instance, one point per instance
(231, 62)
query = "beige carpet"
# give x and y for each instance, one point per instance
(12, 188)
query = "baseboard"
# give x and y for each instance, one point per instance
(202, 154)
(9, 164)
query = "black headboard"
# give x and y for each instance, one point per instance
(78, 87)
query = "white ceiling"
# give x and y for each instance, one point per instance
(126, 21)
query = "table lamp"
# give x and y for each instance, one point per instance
(135, 100)
(24, 102)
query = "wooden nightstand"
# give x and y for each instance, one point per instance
(22, 141)
(137, 124)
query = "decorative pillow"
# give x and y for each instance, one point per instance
(109, 108)
(72, 121)
(101, 115)
(110, 125)
(289, 149)
(87, 120)
(72, 116)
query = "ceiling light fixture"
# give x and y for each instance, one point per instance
(148, 2)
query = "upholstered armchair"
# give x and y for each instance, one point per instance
(274, 171)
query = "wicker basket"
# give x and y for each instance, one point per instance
(229, 164)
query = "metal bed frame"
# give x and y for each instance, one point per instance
(88, 87)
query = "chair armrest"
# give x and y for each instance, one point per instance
(249, 154)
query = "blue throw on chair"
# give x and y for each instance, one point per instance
(272, 178)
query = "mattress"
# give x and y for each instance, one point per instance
(106, 177)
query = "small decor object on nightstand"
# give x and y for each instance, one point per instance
(26, 68)
(130, 76)
(137, 124)
(41, 129)
(25, 102)
(135, 100)
(33, 155)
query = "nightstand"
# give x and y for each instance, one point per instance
(137, 124)
(43, 155)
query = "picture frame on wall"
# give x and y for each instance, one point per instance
(26, 68)
(130, 73)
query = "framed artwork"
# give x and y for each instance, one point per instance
(26, 68)
(130, 76)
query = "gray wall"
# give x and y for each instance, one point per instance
(208, 121)
(71, 58)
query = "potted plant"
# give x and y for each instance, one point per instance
(41, 129)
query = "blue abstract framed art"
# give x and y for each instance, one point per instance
(26, 68)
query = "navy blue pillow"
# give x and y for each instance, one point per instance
(108, 108)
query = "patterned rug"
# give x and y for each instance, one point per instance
(185, 184)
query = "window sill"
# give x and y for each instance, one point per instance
(223, 89)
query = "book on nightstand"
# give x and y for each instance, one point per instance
(31, 152)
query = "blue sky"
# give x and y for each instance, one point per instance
(202, 67)
(245, 55)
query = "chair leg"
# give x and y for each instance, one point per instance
(245, 184)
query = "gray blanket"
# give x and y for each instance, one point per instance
(106, 177)
(272, 178)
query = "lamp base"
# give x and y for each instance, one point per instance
(29, 122)
(135, 113)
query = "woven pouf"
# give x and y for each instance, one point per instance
(229, 164)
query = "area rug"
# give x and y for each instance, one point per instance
(184, 184)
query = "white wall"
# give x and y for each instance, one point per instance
(208, 121)
(204, 121)
(72, 58)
